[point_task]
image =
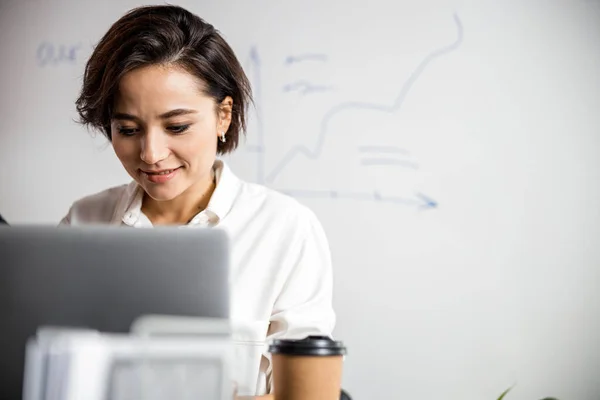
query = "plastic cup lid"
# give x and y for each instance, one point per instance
(309, 346)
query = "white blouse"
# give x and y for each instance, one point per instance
(281, 274)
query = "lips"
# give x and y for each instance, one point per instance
(159, 176)
(161, 172)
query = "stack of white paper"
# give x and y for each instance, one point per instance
(64, 364)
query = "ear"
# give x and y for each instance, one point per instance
(225, 111)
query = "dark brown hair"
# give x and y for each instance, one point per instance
(168, 35)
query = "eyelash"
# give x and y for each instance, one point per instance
(176, 129)
(127, 131)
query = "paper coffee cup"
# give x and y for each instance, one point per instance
(309, 368)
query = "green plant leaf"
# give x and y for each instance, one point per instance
(504, 393)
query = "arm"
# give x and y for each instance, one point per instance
(304, 305)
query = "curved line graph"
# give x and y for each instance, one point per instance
(314, 152)
(372, 155)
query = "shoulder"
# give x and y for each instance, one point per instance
(257, 203)
(275, 202)
(279, 210)
(95, 208)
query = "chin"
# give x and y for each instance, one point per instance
(162, 193)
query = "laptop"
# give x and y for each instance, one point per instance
(103, 278)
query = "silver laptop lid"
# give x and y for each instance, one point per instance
(103, 278)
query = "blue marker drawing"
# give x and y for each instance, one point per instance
(385, 154)
(48, 53)
(418, 200)
(383, 149)
(314, 152)
(260, 148)
(289, 60)
(305, 87)
(389, 162)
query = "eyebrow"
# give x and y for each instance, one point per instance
(169, 114)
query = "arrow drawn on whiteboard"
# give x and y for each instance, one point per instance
(419, 200)
(337, 110)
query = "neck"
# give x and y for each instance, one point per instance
(180, 210)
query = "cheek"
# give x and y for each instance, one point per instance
(199, 148)
(125, 150)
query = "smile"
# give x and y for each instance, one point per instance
(163, 172)
(162, 176)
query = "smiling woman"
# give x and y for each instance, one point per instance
(169, 93)
(164, 130)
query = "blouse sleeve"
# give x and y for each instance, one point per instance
(304, 306)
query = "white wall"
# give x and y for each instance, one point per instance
(488, 109)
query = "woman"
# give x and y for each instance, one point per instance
(170, 95)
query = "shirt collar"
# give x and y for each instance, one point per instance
(226, 190)
(129, 208)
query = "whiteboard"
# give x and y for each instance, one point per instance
(450, 148)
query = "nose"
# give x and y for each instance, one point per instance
(154, 147)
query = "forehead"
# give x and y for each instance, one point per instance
(160, 86)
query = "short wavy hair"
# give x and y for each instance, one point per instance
(167, 35)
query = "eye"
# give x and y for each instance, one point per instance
(125, 131)
(178, 128)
